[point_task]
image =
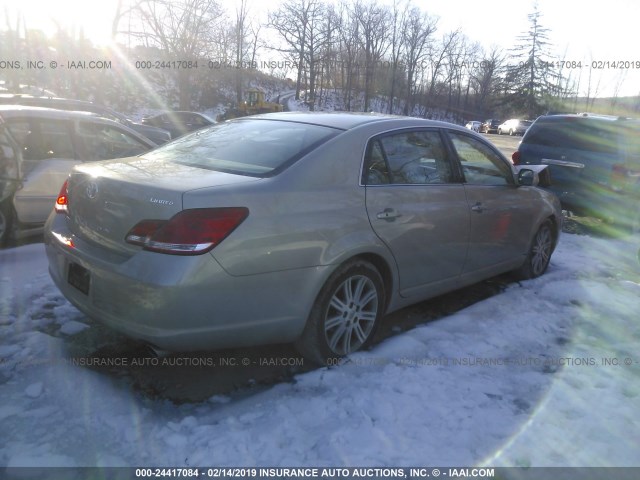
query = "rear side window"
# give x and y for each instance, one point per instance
(246, 147)
(40, 139)
(408, 158)
(104, 142)
(574, 134)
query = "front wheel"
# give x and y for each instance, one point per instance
(539, 253)
(346, 314)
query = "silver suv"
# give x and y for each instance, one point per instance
(39, 147)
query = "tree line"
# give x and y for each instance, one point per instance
(363, 54)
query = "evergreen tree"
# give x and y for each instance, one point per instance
(531, 79)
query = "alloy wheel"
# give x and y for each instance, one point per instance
(541, 253)
(351, 314)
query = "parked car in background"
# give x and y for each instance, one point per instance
(594, 162)
(179, 123)
(293, 227)
(490, 126)
(473, 125)
(35, 90)
(9, 178)
(42, 145)
(514, 126)
(155, 134)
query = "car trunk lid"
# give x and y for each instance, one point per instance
(107, 199)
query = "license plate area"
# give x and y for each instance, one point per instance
(79, 277)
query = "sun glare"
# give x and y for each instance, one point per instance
(78, 18)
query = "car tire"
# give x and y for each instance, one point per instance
(345, 315)
(6, 222)
(511, 132)
(539, 253)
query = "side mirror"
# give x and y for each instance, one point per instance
(527, 178)
(533, 175)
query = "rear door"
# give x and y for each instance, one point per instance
(417, 206)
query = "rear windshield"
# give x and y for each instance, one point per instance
(574, 134)
(254, 147)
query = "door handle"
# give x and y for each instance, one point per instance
(477, 207)
(388, 214)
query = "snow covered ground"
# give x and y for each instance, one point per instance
(545, 374)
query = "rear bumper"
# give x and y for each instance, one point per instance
(182, 303)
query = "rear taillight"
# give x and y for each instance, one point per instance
(515, 157)
(62, 202)
(190, 232)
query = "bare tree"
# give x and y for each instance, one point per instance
(182, 29)
(348, 53)
(242, 11)
(373, 21)
(437, 61)
(300, 25)
(485, 78)
(399, 24)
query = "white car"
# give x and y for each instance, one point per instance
(39, 147)
(473, 125)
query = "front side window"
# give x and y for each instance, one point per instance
(480, 164)
(408, 158)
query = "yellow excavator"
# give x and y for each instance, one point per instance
(253, 104)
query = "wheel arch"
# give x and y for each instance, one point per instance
(383, 269)
(557, 225)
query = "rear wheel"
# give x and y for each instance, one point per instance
(539, 253)
(345, 315)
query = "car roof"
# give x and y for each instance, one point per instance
(18, 98)
(16, 110)
(592, 116)
(349, 120)
(60, 103)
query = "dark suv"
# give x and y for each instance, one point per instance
(594, 162)
(490, 126)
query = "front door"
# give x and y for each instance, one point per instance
(500, 211)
